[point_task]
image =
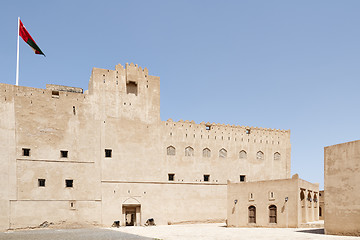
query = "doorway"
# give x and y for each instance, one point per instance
(130, 216)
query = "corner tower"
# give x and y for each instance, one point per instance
(128, 92)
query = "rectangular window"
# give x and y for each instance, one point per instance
(251, 197)
(108, 153)
(26, 152)
(69, 183)
(242, 178)
(64, 154)
(171, 176)
(206, 177)
(55, 94)
(271, 196)
(41, 182)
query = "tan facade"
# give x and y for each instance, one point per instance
(342, 189)
(272, 203)
(104, 155)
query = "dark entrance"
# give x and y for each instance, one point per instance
(130, 216)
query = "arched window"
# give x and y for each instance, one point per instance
(242, 154)
(272, 214)
(252, 214)
(189, 152)
(170, 150)
(309, 199)
(223, 153)
(206, 153)
(277, 156)
(260, 155)
(302, 198)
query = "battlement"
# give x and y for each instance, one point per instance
(132, 68)
(54, 87)
(221, 126)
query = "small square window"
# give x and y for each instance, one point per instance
(171, 176)
(41, 182)
(69, 183)
(64, 154)
(108, 153)
(26, 152)
(206, 178)
(242, 178)
(248, 131)
(208, 128)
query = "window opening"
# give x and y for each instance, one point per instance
(242, 178)
(206, 152)
(108, 153)
(206, 177)
(242, 154)
(260, 155)
(26, 152)
(55, 94)
(170, 150)
(69, 183)
(223, 153)
(63, 154)
(41, 182)
(189, 152)
(171, 176)
(131, 88)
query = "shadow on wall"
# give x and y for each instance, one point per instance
(314, 231)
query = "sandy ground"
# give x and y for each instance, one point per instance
(216, 231)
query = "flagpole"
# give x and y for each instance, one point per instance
(17, 54)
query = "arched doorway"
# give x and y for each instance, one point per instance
(272, 214)
(131, 212)
(252, 214)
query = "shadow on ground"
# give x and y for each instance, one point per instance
(314, 231)
(70, 234)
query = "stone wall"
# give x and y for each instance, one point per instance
(342, 189)
(281, 195)
(111, 142)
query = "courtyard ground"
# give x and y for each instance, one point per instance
(212, 231)
(69, 234)
(217, 231)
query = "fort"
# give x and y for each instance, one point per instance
(104, 155)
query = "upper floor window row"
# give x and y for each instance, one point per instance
(206, 153)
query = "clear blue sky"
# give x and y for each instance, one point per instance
(274, 64)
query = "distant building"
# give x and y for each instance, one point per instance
(272, 203)
(104, 155)
(342, 189)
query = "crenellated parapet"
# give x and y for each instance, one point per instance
(225, 127)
